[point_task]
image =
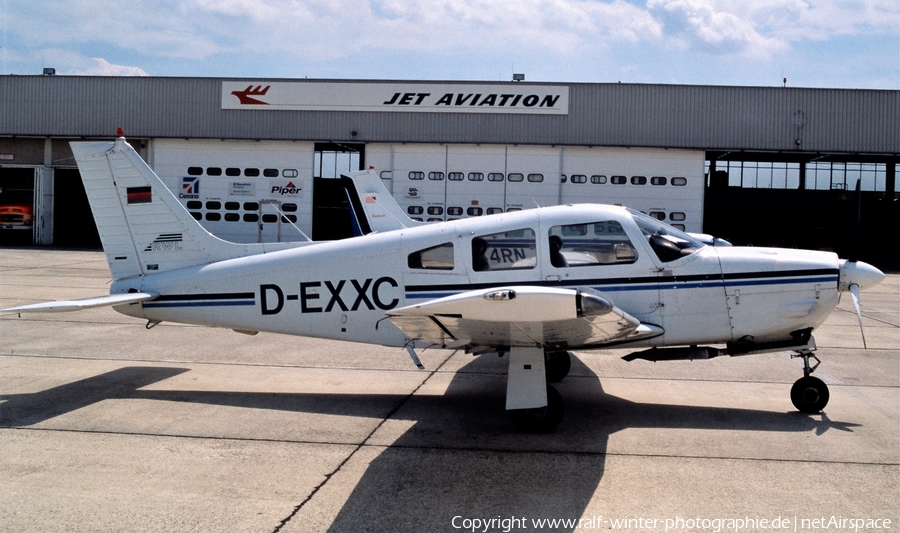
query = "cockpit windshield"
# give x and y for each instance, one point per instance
(667, 242)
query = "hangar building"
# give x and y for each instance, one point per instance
(254, 159)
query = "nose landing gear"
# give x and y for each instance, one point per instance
(809, 393)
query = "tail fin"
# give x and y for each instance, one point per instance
(142, 226)
(373, 208)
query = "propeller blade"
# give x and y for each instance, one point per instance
(854, 292)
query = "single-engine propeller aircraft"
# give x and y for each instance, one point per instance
(532, 284)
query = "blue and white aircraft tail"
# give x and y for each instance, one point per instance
(534, 284)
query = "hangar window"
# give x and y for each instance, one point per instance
(618, 180)
(563, 178)
(270, 172)
(289, 218)
(232, 217)
(213, 171)
(251, 172)
(270, 218)
(495, 176)
(597, 243)
(436, 176)
(476, 176)
(251, 217)
(438, 257)
(494, 210)
(535, 178)
(579, 178)
(415, 210)
(387, 175)
(679, 182)
(289, 173)
(213, 205)
(455, 176)
(511, 250)
(435, 210)
(195, 204)
(195, 171)
(658, 180)
(676, 216)
(515, 176)
(416, 176)
(825, 175)
(454, 211)
(474, 211)
(289, 208)
(213, 217)
(639, 180)
(231, 171)
(598, 179)
(196, 215)
(251, 206)
(435, 219)
(232, 206)
(658, 215)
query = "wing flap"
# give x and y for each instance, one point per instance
(83, 303)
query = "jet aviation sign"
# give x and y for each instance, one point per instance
(513, 98)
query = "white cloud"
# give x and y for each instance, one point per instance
(762, 28)
(102, 67)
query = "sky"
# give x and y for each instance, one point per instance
(812, 43)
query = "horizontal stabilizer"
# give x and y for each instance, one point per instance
(84, 303)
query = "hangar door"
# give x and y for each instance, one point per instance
(331, 211)
(16, 205)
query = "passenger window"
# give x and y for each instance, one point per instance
(438, 257)
(512, 250)
(597, 243)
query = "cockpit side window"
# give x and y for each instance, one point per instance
(438, 257)
(668, 243)
(511, 250)
(596, 243)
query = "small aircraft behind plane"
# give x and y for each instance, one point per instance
(532, 284)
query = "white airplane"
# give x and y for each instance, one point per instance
(532, 284)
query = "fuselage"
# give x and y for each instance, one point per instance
(342, 289)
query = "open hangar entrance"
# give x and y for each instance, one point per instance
(806, 201)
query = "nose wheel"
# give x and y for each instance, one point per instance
(809, 393)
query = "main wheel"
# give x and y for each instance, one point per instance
(558, 365)
(541, 419)
(809, 394)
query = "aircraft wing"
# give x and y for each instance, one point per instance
(520, 316)
(84, 303)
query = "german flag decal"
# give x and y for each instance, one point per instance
(138, 195)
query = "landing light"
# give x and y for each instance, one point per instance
(500, 295)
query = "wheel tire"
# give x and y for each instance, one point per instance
(809, 394)
(541, 419)
(558, 365)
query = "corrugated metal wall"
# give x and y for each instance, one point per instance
(661, 116)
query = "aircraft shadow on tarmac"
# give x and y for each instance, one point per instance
(446, 463)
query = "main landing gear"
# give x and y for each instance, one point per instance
(809, 394)
(529, 383)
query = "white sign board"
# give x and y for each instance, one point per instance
(517, 98)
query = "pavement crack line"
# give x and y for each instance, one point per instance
(360, 446)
